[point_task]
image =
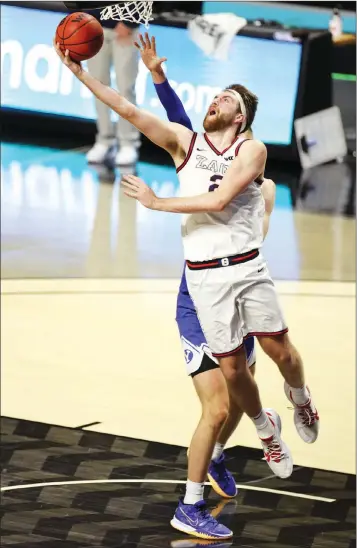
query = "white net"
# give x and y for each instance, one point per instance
(135, 12)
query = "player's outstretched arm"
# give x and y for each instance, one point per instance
(159, 131)
(268, 191)
(169, 99)
(244, 169)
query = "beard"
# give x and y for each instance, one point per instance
(217, 122)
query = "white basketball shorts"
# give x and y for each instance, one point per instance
(235, 302)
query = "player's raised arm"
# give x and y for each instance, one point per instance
(160, 132)
(169, 99)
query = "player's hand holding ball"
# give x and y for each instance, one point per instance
(136, 188)
(73, 66)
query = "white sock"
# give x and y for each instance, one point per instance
(300, 395)
(217, 451)
(194, 492)
(263, 425)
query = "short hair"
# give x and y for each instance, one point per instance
(250, 101)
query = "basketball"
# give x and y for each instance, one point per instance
(81, 34)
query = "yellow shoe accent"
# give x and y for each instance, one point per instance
(217, 510)
(218, 490)
(199, 535)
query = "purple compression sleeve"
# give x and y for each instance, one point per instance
(172, 104)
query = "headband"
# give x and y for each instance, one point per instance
(242, 107)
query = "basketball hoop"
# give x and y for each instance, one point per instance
(134, 12)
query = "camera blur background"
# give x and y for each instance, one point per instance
(89, 277)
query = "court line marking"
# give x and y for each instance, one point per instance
(176, 482)
(86, 425)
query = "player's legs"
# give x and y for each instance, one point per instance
(243, 389)
(204, 369)
(212, 391)
(99, 66)
(263, 318)
(191, 515)
(219, 477)
(244, 392)
(211, 388)
(235, 412)
(215, 293)
(126, 64)
(287, 358)
(234, 417)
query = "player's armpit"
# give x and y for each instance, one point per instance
(244, 169)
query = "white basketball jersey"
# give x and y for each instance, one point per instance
(236, 229)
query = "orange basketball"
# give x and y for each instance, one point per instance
(81, 34)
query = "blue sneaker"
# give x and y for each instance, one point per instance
(195, 520)
(221, 479)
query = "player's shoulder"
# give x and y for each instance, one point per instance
(268, 187)
(257, 145)
(253, 147)
(268, 182)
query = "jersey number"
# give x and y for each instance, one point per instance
(213, 180)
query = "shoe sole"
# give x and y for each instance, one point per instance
(287, 394)
(218, 490)
(176, 524)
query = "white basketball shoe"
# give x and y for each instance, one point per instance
(276, 452)
(306, 417)
(126, 156)
(98, 153)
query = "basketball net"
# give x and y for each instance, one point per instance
(134, 12)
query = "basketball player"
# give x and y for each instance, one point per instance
(227, 277)
(218, 413)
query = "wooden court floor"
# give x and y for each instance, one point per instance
(82, 351)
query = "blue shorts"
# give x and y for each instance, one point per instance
(193, 341)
